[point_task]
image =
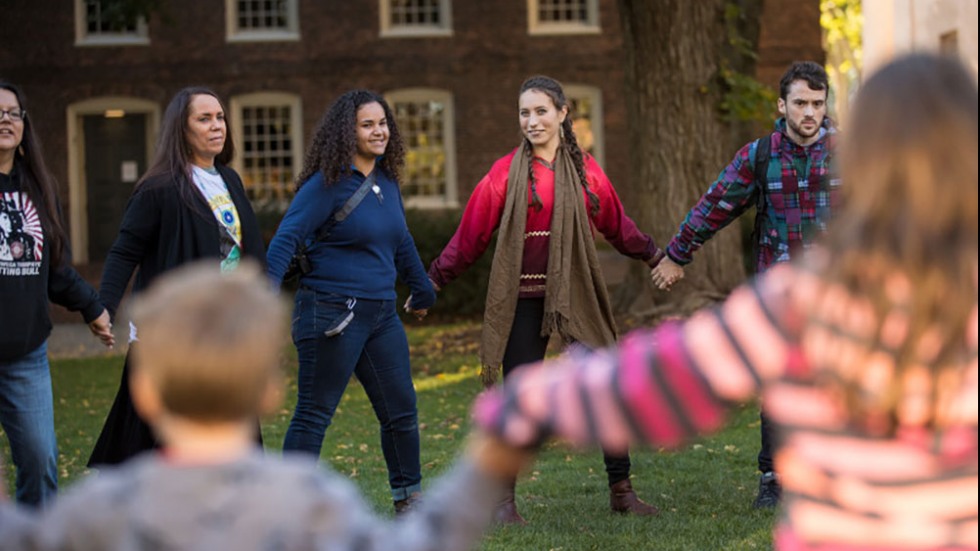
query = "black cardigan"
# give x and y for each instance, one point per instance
(159, 231)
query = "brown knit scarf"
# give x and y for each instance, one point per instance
(576, 303)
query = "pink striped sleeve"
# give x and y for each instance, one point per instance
(655, 374)
(641, 394)
(662, 386)
(700, 407)
(605, 406)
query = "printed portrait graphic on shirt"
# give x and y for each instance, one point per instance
(21, 236)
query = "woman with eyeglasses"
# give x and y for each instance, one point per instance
(190, 205)
(35, 267)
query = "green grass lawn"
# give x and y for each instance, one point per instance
(704, 490)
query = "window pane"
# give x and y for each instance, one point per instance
(422, 125)
(582, 114)
(263, 15)
(103, 18)
(415, 13)
(563, 11)
(267, 157)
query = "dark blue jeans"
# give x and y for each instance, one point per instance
(27, 415)
(373, 347)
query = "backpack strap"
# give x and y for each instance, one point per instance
(760, 168)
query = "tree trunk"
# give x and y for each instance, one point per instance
(674, 50)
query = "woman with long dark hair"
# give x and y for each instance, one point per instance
(545, 197)
(864, 350)
(346, 320)
(35, 267)
(189, 205)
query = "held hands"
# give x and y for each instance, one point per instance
(666, 274)
(419, 314)
(101, 327)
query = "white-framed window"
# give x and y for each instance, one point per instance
(97, 23)
(262, 20)
(563, 16)
(267, 128)
(426, 123)
(585, 104)
(410, 18)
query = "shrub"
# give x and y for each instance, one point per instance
(432, 230)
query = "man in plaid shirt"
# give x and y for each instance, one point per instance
(800, 194)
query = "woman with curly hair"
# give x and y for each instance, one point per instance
(345, 319)
(546, 196)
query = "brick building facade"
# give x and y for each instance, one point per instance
(450, 68)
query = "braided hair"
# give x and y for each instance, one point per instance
(552, 88)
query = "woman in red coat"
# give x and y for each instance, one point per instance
(546, 196)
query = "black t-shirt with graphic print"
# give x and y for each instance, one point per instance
(27, 280)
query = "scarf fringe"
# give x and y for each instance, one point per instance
(489, 375)
(554, 323)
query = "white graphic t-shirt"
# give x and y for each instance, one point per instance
(21, 235)
(216, 193)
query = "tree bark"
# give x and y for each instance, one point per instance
(673, 51)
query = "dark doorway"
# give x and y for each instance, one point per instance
(115, 156)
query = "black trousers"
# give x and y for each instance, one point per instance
(526, 345)
(765, 452)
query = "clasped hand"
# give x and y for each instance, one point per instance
(422, 312)
(101, 327)
(418, 313)
(666, 274)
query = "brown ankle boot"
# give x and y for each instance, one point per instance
(622, 499)
(403, 506)
(506, 512)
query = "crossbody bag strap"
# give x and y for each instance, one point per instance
(343, 212)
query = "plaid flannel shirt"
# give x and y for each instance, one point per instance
(802, 193)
